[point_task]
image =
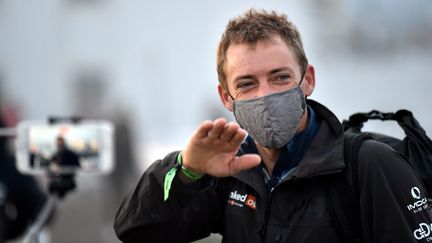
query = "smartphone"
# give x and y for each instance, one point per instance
(65, 147)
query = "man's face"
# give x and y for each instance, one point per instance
(267, 67)
(60, 143)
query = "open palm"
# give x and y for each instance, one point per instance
(213, 147)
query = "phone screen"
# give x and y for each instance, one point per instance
(65, 148)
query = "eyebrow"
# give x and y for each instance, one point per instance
(277, 70)
(246, 76)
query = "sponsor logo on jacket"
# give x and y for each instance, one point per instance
(420, 203)
(239, 200)
(423, 232)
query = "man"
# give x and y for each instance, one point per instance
(64, 157)
(272, 186)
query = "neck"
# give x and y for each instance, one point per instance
(269, 157)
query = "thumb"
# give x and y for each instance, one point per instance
(244, 162)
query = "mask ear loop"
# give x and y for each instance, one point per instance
(229, 94)
(302, 77)
(305, 97)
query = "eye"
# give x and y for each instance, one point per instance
(244, 85)
(283, 77)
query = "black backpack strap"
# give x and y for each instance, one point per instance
(352, 143)
(343, 194)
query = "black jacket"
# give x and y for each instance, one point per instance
(243, 210)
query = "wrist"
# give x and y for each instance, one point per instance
(186, 171)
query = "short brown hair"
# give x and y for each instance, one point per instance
(255, 25)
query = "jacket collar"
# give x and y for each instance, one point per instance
(319, 159)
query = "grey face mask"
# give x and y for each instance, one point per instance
(271, 120)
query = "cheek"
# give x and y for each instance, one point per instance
(229, 103)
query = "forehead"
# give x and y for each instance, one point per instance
(262, 56)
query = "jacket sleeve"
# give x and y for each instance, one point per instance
(393, 201)
(191, 211)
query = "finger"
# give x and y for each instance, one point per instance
(203, 129)
(217, 129)
(238, 137)
(244, 162)
(229, 131)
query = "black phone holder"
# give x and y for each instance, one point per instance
(59, 184)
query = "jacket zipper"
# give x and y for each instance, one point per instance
(266, 217)
(272, 186)
(278, 238)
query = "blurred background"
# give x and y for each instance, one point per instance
(149, 66)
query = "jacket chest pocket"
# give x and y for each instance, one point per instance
(300, 216)
(303, 206)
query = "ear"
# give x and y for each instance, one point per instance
(308, 84)
(225, 98)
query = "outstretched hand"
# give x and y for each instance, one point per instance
(213, 147)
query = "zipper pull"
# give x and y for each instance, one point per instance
(272, 183)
